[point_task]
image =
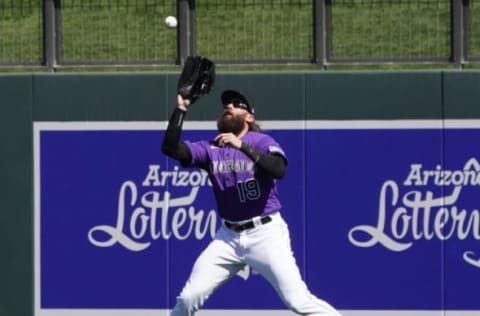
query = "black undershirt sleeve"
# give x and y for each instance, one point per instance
(275, 165)
(172, 146)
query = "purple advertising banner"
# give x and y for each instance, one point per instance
(383, 216)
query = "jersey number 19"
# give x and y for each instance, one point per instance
(248, 190)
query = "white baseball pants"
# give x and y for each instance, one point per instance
(266, 249)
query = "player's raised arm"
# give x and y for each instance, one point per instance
(172, 145)
(197, 79)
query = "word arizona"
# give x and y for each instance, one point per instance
(175, 177)
(469, 176)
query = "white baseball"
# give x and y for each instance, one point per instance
(171, 21)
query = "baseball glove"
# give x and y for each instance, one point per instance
(197, 78)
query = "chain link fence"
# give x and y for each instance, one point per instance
(473, 29)
(323, 32)
(116, 32)
(21, 33)
(385, 30)
(255, 31)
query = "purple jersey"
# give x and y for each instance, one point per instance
(242, 191)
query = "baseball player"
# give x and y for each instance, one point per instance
(243, 164)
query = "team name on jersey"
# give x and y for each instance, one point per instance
(228, 166)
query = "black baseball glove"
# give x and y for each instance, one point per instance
(197, 78)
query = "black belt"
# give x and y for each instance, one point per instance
(250, 224)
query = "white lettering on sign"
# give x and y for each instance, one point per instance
(152, 215)
(418, 214)
(175, 178)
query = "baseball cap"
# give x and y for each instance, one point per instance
(229, 96)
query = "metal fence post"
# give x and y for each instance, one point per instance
(319, 33)
(185, 30)
(58, 32)
(49, 51)
(328, 16)
(466, 29)
(456, 27)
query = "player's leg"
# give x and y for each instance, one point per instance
(215, 265)
(272, 257)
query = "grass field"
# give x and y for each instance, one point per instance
(123, 32)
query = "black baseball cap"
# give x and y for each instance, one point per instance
(229, 96)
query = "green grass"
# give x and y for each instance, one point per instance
(122, 33)
(131, 32)
(243, 30)
(20, 32)
(406, 29)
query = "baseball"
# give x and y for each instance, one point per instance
(171, 21)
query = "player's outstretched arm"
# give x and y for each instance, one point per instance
(172, 146)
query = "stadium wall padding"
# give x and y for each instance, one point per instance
(279, 96)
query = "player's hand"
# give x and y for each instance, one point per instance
(182, 103)
(228, 139)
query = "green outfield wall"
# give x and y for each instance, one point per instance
(27, 98)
